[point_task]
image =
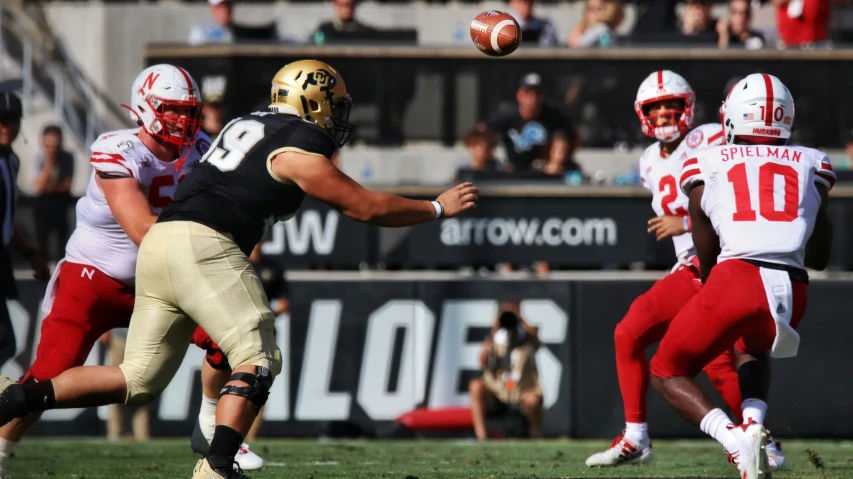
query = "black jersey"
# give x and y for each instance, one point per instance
(232, 189)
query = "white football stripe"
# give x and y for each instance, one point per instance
(496, 32)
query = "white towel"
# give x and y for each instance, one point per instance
(780, 298)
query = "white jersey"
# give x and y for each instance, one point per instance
(661, 176)
(762, 200)
(98, 240)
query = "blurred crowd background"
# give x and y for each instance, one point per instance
(429, 109)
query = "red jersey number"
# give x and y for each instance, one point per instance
(767, 174)
(157, 200)
(670, 194)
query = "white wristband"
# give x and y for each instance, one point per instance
(439, 210)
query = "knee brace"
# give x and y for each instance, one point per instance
(257, 392)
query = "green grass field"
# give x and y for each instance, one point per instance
(90, 459)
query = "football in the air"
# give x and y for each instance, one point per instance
(496, 33)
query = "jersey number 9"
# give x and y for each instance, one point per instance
(233, 142)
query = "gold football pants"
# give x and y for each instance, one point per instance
(189, 274)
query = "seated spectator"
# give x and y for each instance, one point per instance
(655, 17)
(802, 23)
(533, 129)
(696, 20)
(481, 145)
(598, 24)
(223, 29)
(55, 168)
(344, 21)
(213, 119)
(534, 30)
(510, 382)
(737, 29)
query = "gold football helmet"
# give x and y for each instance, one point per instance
(316, 92)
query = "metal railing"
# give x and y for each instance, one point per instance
(47, 69)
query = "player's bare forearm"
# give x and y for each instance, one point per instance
(316, 176)
(392, 211)
(129, 206)
(705, 239)
(819, 245)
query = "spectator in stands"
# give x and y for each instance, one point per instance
(736, 30)
(116, 341)
(219, 31)
(533, 129)
(534, 30)
(802, 23)
(344, 21)
(696, 20)
(655, 18)
(598, 24)
(213, 118)
(223, 29)
(510, 382)
(481, 145)
(55, 168)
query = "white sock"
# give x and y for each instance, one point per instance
(714, 424)
(637, 433)
(754, 409)
(5, 451)
(207, 417)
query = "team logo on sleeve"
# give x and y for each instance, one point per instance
(202, 145)
(695, 138)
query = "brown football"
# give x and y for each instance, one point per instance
(495, 33)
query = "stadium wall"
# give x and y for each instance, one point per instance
(362, 351)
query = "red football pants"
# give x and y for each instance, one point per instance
(215, 356)
(732, 308)
(88, 303)
(647, 322)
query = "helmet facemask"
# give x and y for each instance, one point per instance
(680, 118)
(176, 122)
(338, 124)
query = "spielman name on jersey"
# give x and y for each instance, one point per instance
(529, 231)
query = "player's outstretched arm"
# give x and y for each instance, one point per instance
(318, 177)
(819, 246)
(705, 239)
(129, 206)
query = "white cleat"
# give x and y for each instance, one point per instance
(621, 452)
(775, 455)
(246, 459)
(751, 456)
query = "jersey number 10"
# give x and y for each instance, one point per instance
(766, 191)
(233, 142)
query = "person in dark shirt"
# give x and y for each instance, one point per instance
(535, 31)
(736, 30)
(344, 21)
(193, 268)
(481, 145)
(11, 112)
(53, 192)
(532, 129)
(696, 21)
